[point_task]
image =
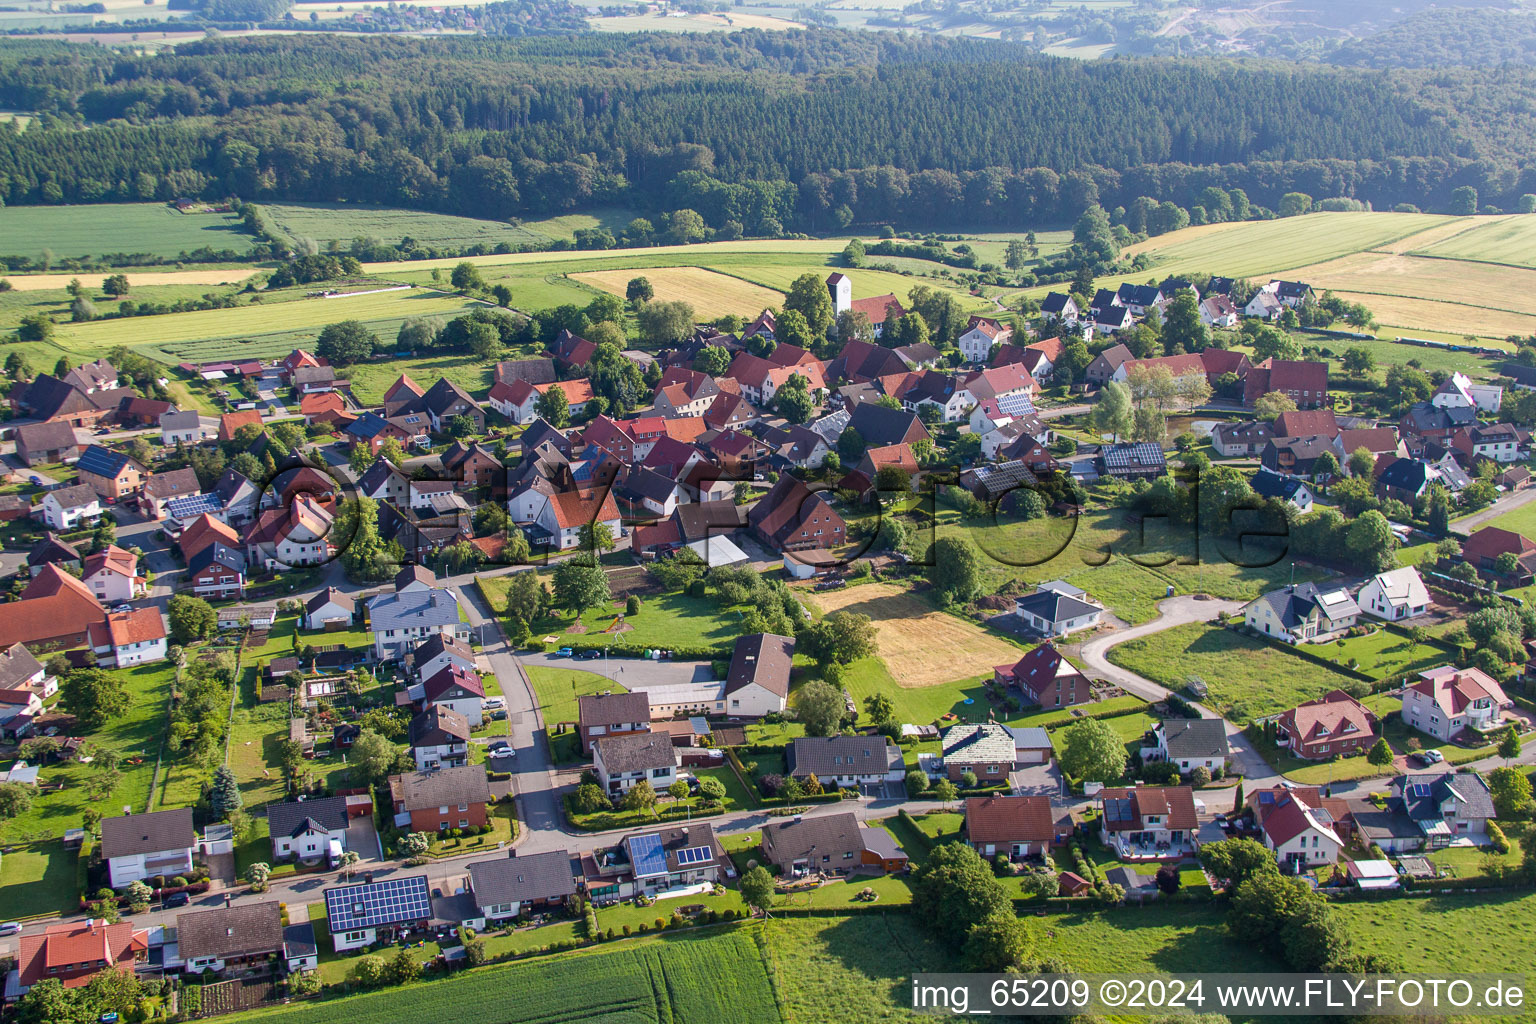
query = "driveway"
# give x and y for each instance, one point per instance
(1039, 780)
(1172, 612)
(363, 840)
(631, 673)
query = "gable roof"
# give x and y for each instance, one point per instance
(830, 756)
(1295, 422)
(174, 483)
(154, 832)
(291, 818)
(764, 659)
(17, 667)
(419, 791)
(1195, 738)
(47, 436)
(1009, 819)
(612, 708)
(1126, 810)
(879, 425)
(520, 879)
(1402, 586)
(822, 835)
(437, 725)
(1333, 713)
(636, 752)
(104, 462)
(978, 743)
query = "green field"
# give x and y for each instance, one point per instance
(1472, 933)
(708, 978)
(342, 222)
(1509, 240)
(152, 228)
(1247, 678)
(259, 330)
(556, 690)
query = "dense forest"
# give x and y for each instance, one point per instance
(772, 131)
(1447, 37)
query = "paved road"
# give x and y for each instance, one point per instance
(1172, 612)
(1505, 504)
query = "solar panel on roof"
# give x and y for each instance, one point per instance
(1015, 404)
(194, 505)
(391, 901)
(648, 856)
(1419, 789)
(695, 855)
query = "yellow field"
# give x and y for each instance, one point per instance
(1434, 235)
(46, 282)
(920, 646)
(709, 293)
(1510, 239)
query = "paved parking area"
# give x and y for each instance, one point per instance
(1038, 780)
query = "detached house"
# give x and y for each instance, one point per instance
(829, 844)
(440, 800)
(1394, 595)
(757, 682)
(1057, 609)
(178, 427)
(1189, 743)
(514, 885)
(985, 749)
(1300, 831)
(1301, 612)
(233, 938)
(110, 474)
(330, 609)
(282, 538)
(216, 571)
(401, 620)
(455, 687)
(1448, 701)
(438, 738)
(1014, 827)
(845, 761)
(1333, 725)
(74, 952)
(1443, 806)
(129, 638)
(791, 517)
(309, 829)
(140, 846)
(1046, 678)
(625, 760)
(113, 575)
(1149, 822)
(980, 334)
(369, 912)
(671, 858)
(68, 507)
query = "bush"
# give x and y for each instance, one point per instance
(632, 605)
(1499, 841)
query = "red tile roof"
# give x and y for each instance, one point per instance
(880, 308)
(75, 947)
(1009, 819)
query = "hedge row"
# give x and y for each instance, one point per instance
(626, 649)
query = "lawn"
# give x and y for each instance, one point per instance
(1247, 678)
(153, 229)
(1382, 654)
(1157, 938)
(667, 621)
(1520, 520)
(1128, 567)
(920, 645)
(135, 737)
(371, 379)
(1473, 933)
(38, 878)
(556, 690)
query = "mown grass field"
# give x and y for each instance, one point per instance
(257, 330)
(557, 689)
(1247, 678)
(920, 645)
(342, 222)
(704, 977)
(1473, 933)
(1509, 240)
(711, 294)
(100, 229)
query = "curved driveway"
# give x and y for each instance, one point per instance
(1173, 612)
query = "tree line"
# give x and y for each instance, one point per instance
(803, 131)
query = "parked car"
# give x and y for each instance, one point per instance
(501, 750)
(1427, 757)
(588, 655)
(176, 899)
(10, 928)
(564, 652)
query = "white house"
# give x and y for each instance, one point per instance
(67, 507)
(383, 482)
(187, 427)
(1394, 595)
(564, 514)
(1299, 834)
(309, 829)
(1189, 743)
(845, 760)
(1447, 701)
(113, 575)
(401, 620)
(1057, 608)
(455, 687)
(758, 681)
(129, 638)
(363, 914)
(140, 846)
(1459, 392)
(329, 609)
(437, 653)
(980, 335)
(623, 761)
(439, 738)
(512, 885)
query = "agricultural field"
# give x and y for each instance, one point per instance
(257, 330)
(137, 280)
(96, 230)
(1247, 678)
(1509, 240)
(687, 978)
(711, 294)
(340, 223)
(921, 646)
